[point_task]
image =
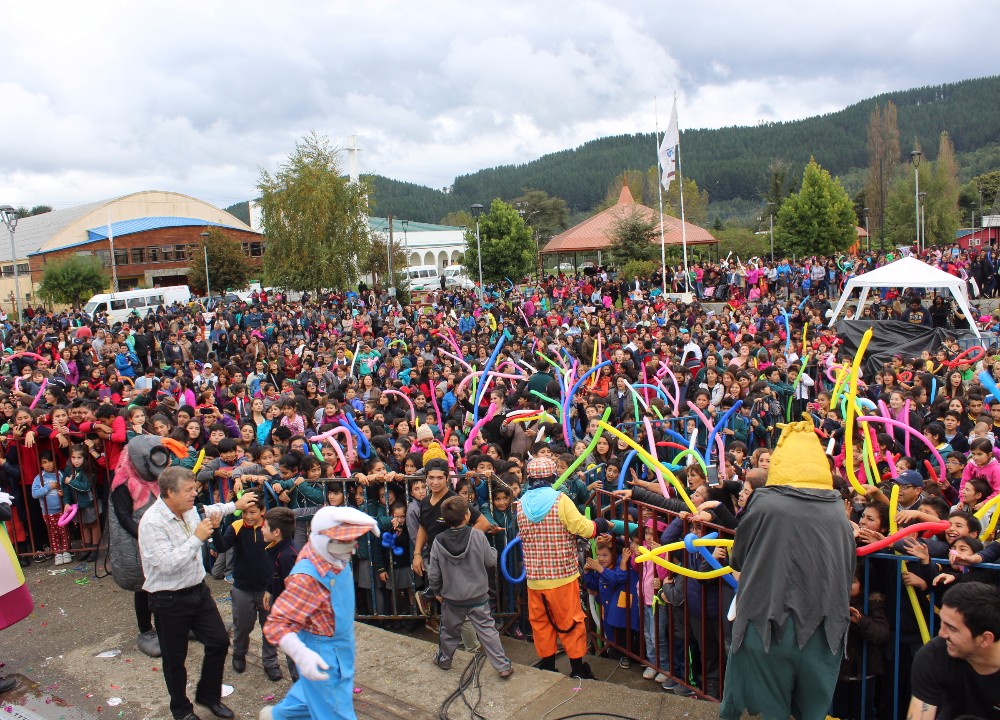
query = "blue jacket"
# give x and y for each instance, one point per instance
(612, 593)
(47, 497)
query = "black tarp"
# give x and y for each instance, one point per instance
(890, 337)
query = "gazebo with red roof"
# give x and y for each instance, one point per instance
(595, 234)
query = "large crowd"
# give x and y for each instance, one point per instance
(343, 398)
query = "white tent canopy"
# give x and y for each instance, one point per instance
(905, 273)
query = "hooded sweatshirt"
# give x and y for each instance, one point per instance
(460, 558)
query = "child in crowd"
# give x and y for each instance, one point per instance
(78, 489)
(47, 489)
(278, 530)
(606, 577)
(655, 615)
(458, 576)
(252, 574)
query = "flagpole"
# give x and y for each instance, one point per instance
(680, 187)
(114, 268)
(659, 192)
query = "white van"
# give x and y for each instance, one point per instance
(120, 305)
(423, 277)
(457, 276)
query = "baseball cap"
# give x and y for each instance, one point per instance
(910, 477)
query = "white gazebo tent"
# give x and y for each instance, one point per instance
(904, 273)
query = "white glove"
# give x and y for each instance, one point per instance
(309, 663)
(6, 499)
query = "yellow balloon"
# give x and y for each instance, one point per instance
(852, 396)
(651, 462)
(654, 555)
(201, 459)
(910, 592)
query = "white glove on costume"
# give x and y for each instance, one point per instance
(6, 499)
(309, 663)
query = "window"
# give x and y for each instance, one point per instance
(136, 302)
(138, 256)
(253, 249)
(168, 253)
(154, 254)
(104, 256)
(8, 271)
(154, 300)
(117, 304)
(23, 267)
(180, 253)
(121, 257)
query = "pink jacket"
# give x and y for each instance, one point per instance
(990, 472)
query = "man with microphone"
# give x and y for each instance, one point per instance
(171, 535)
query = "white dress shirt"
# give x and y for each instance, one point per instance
(170, 551)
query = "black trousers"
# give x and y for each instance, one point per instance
(177, 613)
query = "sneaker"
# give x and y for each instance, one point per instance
(660, 678)
(229, 579)
(443, 664)
(515, 632)
(683, 691)
(624, 663)
(648, 674)
(423, 604)
(59, 559)
(668, 684)
(506, 672)
(67, 558)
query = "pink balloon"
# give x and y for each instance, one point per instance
(652, 451)
(908, 430)
(413, 410)
(469, 441)
(38, 397)
(718, 440)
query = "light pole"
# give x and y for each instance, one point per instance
(973, 203)
(477, 210)
(923, 223)
(9, 217)
(868, 238)
(208, 284)
(770, 213)
(915, 157)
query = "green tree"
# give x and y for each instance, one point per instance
(743, 242)
(695, 202)
(883, 159)
(72, 280)
(632, 238)
(507, 245)
(376, 258)
(458, 218)
(546, 216)
(228, 268)
(940, 188)
(818, 219)
(643, 269)
(315, 220)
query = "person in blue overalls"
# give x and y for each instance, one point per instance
(313, 620)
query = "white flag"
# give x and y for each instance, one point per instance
(668, 150)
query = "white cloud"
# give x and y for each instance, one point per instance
(116, 97)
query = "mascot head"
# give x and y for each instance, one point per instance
(334, 530)
(798, 459)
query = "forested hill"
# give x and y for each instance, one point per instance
(732, 162)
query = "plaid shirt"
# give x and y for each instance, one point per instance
(304, 605)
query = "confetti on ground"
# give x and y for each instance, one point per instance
(114, 702)
(268, 698)
(357, 691)
(227, 690)
(109, 654)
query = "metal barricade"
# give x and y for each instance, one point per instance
(690, 644)
(31, 526)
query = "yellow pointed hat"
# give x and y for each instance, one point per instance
(798, 459)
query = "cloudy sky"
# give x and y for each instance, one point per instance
(106, 98)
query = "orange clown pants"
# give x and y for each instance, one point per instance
(558, 612)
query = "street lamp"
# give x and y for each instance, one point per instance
(9, 217)
(208, 285)
(770, 212)
(915, 157)
(868, 238)
(477, 210)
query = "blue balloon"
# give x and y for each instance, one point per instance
(503, 564)
(707, 555)
(721, 425)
